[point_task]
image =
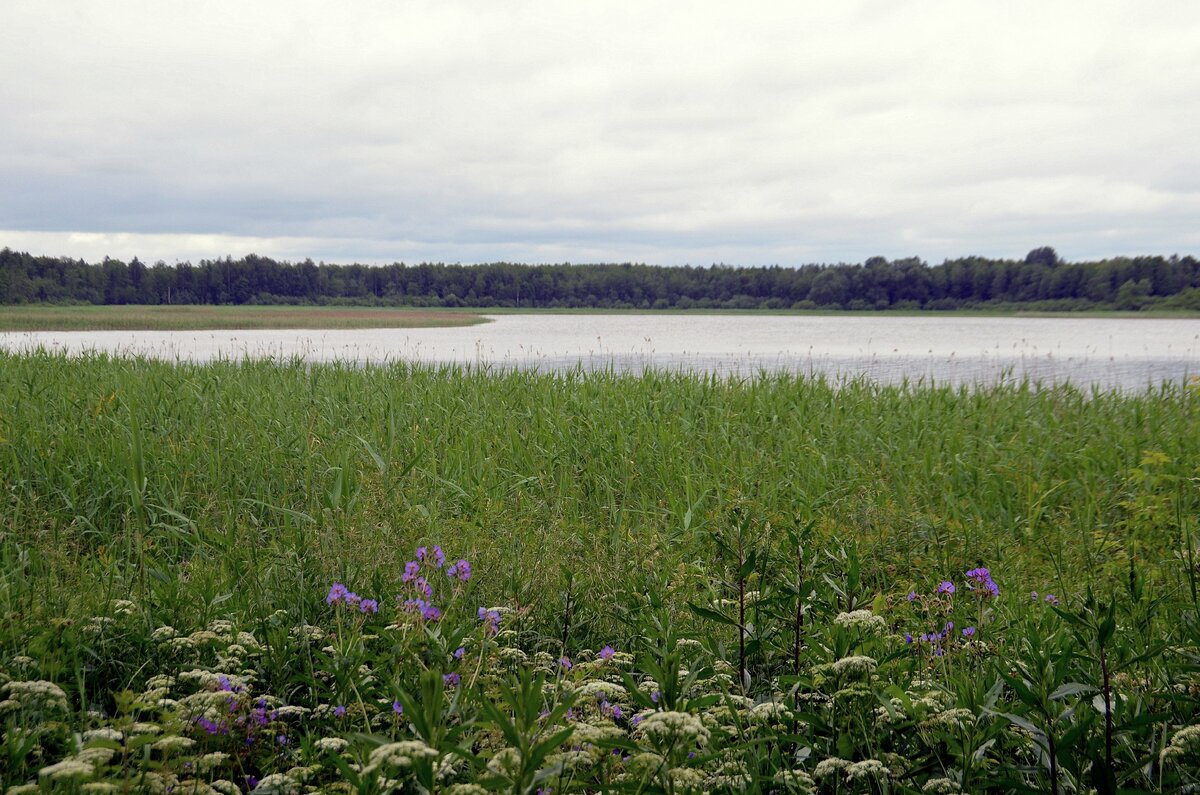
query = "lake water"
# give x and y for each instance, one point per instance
(1109, 353)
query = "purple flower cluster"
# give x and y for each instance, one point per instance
(981, 581)
(491, 620)
(419, 600)
(460, 571)
(1051, 599)
(339, 594)
(421, 608)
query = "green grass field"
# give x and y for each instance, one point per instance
(167, 318)
(166, 525)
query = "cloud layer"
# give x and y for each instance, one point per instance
(661, 132)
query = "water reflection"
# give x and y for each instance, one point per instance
(1102, 352)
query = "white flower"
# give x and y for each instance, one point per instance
(277, 784)
(857, 665)
(868, 768)
(863, 620)
(334, 744)
(830, 767)
(399, 755)
(36, 693)
(173, 743)
(1185, 741)
(666, 729)
(66, 769)
(770, 712)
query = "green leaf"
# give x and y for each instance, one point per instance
(711, 615)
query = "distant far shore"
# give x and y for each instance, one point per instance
(49, 317)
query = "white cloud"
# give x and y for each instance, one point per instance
(657, 131)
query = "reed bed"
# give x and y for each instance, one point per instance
(754, 533)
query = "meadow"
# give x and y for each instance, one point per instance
(277, 576)
(51, 317)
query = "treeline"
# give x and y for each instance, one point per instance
(1040, 280)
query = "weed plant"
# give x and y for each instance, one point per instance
(590, 582)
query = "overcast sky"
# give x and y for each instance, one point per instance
(751, 133)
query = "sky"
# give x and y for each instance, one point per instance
(752, 133)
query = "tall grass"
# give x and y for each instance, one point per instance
(255, 479)
(775, 567)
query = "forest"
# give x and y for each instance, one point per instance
(1041, 280)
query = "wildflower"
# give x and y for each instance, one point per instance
(411, 569)
(983, 578)
(461, 570)
(491, 619)
(912, 596)
(858, 665)
(431, 613)
(353, 599)
(339, 710)
(908, 638)
(863, 620)
(397, 707)
(451, 679)
(337, 592)
(565, 662)
(459, 652)
(1052, 599)
(969, 632)
(422, 553)
(399, 755)
(666, 729)
(333, 744)
(946, 587)
(424, 587)
(1033, 596)
(607, 653)
(439, 557)
(369, 606)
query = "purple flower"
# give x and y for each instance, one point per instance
(969, 632)
(946, 587)
(337, 592)
(912, 596)
(616, 710)
(654, 697)
(607, 653)
(411, 569)
(339, 711)
(461, 570)
(225, 684)
(282, 739)
(565, 662)
(431, 613)
(636, 720)
(422, 553)
(424, 587)
(439, 557)
(1033, 596)
(369, 606)
(459, 652)
(491, 619)
(353, 599)
(908, 637)
(1052, 599)
(397, 707)
(983, 579)
(451, 679)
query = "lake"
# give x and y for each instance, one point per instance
(1124, 353)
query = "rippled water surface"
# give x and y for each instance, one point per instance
(1122, 353)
